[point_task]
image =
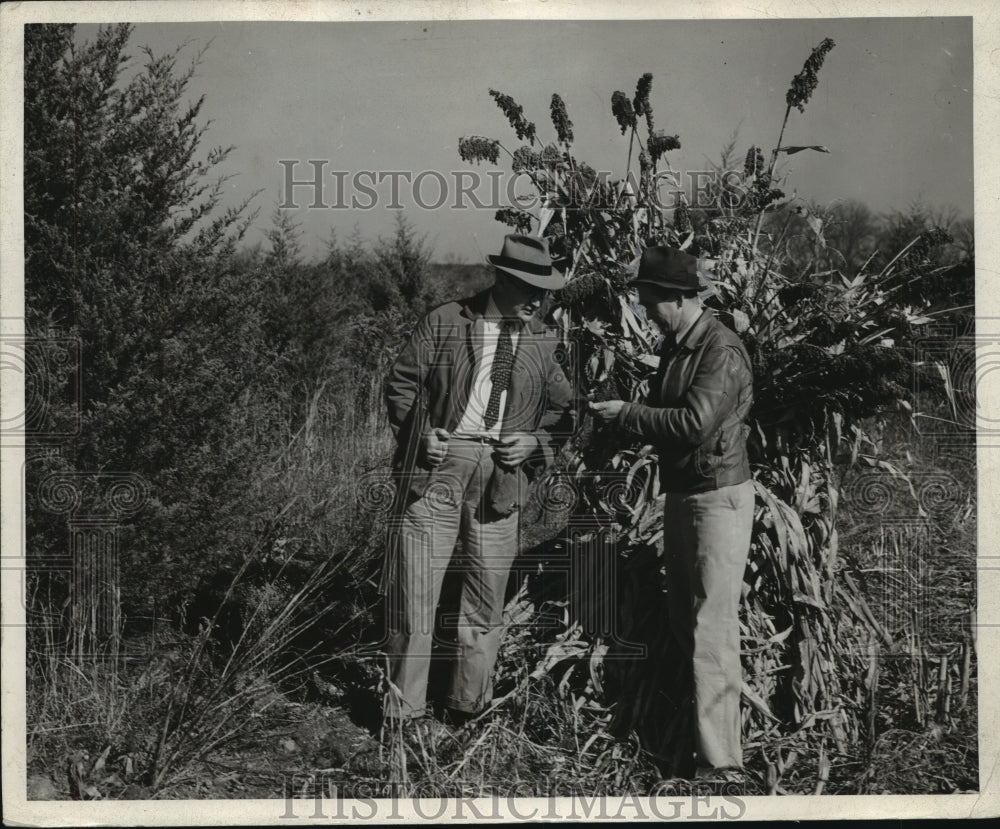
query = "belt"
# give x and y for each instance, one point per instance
(480, 439)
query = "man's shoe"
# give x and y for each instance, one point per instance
(457, 719)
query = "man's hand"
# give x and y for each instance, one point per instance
(607, 410)
(514, 449)
(435, 446)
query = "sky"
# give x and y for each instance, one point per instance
(893, 106)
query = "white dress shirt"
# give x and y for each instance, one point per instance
(471, 424)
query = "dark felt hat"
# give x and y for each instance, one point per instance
(666, 267)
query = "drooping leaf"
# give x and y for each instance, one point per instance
(792, 150)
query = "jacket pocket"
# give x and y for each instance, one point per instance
(706, 459)
(723, 443)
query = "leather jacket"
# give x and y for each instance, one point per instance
(694, 415)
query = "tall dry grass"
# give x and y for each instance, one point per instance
(298, 605)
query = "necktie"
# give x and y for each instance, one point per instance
(503, 362)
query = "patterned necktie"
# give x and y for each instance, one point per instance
(503, 362)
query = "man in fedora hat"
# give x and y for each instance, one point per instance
(478, 400)
(694, 415)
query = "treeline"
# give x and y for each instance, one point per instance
(845, 237)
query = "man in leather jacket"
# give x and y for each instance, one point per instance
(694, 415)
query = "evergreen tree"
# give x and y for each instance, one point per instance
(129, 253)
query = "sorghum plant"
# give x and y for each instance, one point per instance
(829, 353)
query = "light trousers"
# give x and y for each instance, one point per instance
(708, 541)
(449, 514)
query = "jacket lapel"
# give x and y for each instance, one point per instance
(467, 331)
(472, 317)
